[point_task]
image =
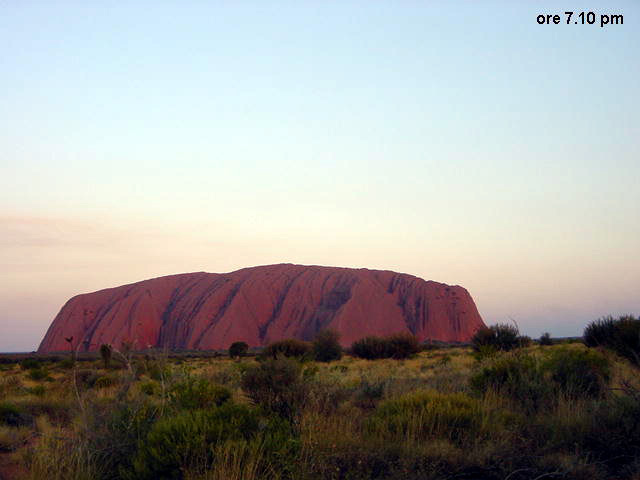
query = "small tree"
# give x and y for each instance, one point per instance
(69, 340)
(238, 349)
(326, 346)
(105, 353)
(545, 339)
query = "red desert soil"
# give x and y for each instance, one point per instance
(261, 304)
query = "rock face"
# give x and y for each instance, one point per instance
(262, 304)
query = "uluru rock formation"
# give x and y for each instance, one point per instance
(259, 305)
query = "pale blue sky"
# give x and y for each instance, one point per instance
(457, 141)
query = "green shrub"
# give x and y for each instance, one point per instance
(533, 381)
(111, 432)
(23, 411)
(30, 363)
(402, 345)
(325, 393)
(38, 390)
(601, 332)
(149, 388)
(158, 370)
(615, 430)
(185, 440)
(369, 393)
(370, 348)
(501, 336)
(517, 376)
(66, 364)
(38, 374)
(58, 411)
(398, 346)
(197, 393)
(238, 349)
(427, 414)
(326, 346)
(621, 335)
(276, 385)
(288, 348)
(578, 373)
(13, 415)
(484, 352)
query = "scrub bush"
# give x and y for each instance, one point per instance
(426, 414)
(370, 348)
(517, 376)
(398, 346)
(621, 335)
(197, 393)
(326, 346)
(276, 385)
(402, 345)
(545, 339)
(288, 348)
(185, 440)
(502, 336)
(13, 416)
(578, 373)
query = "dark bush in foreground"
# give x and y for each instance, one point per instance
(326, 346)
(502, 336)
(621, 335)
(398, 346)
(288, 348)
(276, 385)
(238, 349)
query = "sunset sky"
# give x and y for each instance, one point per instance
(457, 141)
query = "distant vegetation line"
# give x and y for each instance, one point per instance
(388, 408)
